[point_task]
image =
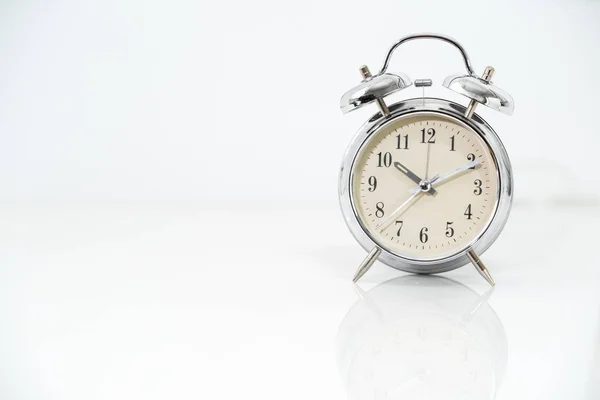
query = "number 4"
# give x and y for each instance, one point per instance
(468, 212)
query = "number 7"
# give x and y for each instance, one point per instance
(399, 229)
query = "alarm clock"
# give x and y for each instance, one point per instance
(426, 184)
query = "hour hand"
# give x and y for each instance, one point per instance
(413, 177)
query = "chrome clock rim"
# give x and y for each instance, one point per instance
(505, 185)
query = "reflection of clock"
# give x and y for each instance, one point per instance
(419, 337)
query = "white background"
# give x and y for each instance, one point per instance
(169, 197)
(236, 103)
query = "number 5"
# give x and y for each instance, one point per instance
(449, 229)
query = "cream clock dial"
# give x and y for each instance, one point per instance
(445, 215)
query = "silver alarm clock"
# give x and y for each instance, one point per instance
(426, 184)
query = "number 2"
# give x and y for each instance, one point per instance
(471, 157)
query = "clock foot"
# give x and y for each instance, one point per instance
(480, 267)
(367, 263)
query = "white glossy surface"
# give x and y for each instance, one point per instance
(125, 303)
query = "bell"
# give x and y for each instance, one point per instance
(481, 90)
(373, 88)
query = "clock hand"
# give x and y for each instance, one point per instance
(413, 177)
(403, 207)
(427, 161)
(454, 172)
(439, 179)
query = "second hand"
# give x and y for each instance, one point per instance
(427, 161)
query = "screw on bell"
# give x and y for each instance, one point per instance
(486, 76)
(366, 74)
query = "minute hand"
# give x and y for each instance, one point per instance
(439, 179)
(453, 173)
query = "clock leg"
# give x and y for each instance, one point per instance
(367, 263)
(480, 267)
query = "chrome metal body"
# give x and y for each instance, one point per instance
(436, 36)
(366, 74)
(481, 91)
(450, 110)
(371, 89)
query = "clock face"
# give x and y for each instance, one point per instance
(425, 186)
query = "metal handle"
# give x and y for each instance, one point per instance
(443, 38)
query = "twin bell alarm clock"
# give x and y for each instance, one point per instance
(426, 184)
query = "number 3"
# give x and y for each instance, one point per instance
(478, 189)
